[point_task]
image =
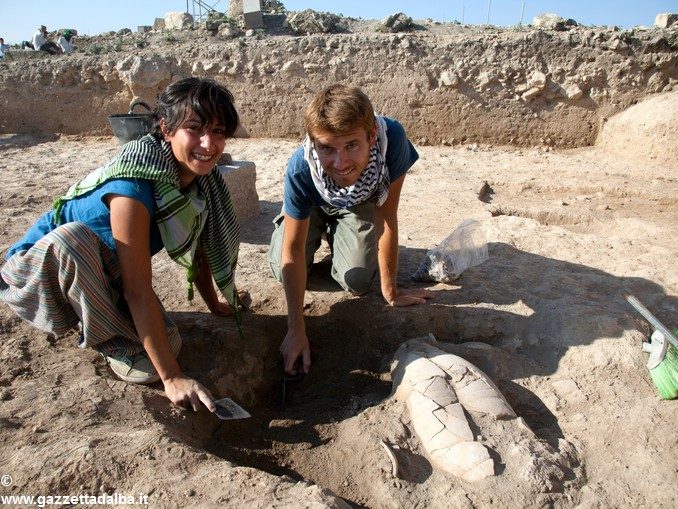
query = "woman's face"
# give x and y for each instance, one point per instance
(196, 148)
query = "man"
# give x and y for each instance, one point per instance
(3, 47)
(40, 42)
(345, 181)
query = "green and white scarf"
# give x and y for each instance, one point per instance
(373, 179)
(203, 215)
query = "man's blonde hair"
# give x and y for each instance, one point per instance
(339, 109)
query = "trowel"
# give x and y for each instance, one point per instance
(229, 409)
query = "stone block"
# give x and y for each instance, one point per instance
(240, 178)
(213, 24)
(234, 9)
(665, 19)
(251, 10)
(178, 21)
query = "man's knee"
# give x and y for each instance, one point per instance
(275, 248)
(357, 280)
(274, 253)
(275, 270)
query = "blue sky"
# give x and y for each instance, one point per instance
(19, 19)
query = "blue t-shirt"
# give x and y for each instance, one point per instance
(91, 209)
(300, 193)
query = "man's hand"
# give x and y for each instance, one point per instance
(188, 393)
(295, 345)
(410, 297)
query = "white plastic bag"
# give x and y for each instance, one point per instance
(465, 247)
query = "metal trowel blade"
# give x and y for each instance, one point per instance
(229, 409)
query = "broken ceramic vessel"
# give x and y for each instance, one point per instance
(437, 387)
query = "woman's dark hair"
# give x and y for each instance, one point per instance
(207, 99)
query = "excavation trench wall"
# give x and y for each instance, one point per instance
(485, 85)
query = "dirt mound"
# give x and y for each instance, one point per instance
(647, 130)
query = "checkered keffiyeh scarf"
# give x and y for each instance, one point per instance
(374, 176)
(203, 215)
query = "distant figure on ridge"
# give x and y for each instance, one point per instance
(344, 183)
(64, 41)
(40, 42)
(3, 47)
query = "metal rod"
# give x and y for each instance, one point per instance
(651, 318)
(522, 11)
(489, 6)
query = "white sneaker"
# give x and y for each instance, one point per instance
(137, 368)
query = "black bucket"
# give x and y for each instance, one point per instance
(131, 126)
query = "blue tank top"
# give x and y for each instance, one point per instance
(91, 209)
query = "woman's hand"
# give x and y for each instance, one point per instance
(220, 308)
(188, 393)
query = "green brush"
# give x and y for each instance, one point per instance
(663, 350)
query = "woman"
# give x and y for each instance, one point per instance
(87, 263)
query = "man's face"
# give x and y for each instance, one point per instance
(344, 157)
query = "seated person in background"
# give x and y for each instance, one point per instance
(344, 182)
(40, 42)
(87, 262)
(64, 42)
(3, 47)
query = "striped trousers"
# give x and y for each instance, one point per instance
(71, 279)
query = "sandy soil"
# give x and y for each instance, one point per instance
(567, 233)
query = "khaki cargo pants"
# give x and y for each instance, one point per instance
(352, 240)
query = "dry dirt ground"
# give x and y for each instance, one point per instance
(568, 231)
